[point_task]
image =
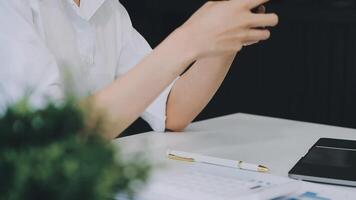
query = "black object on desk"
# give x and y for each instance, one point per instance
(331, 161)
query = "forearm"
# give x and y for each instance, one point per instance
(123, 101)
(193, 91)
(214, 31)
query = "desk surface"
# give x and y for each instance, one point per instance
(276, 143)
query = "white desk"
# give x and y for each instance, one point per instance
(276, 143)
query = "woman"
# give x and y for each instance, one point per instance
(41, 41)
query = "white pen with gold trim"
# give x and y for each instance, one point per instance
(191, 157)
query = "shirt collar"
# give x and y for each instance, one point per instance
(87, 8)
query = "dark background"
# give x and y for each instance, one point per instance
(306, 71)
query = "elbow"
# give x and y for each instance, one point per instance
(176, 125)
(177, 121)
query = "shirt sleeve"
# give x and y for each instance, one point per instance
(134, 49)
(27, 68)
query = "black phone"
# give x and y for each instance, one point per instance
(255, 10)
(331, 161)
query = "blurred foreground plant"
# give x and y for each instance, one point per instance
(49, 154)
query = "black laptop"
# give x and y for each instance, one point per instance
(331, 161)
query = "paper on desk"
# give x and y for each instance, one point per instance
(196, 181)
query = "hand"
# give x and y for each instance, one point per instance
(260, 9)
(222, 27)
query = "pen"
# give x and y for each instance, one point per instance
(191, 157)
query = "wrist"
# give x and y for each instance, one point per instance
(175, 53)
(184, 42)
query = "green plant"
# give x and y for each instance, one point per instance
(48, 154)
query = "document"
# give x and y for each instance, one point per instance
(198, 181)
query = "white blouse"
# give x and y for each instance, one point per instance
(49, 45)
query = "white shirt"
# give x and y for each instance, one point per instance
(43, 41)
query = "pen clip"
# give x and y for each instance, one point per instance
(179, 158)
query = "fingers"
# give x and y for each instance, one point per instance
(250, 43)
(259, 9)
(251, 4)
(254, 35)
(263, 20)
